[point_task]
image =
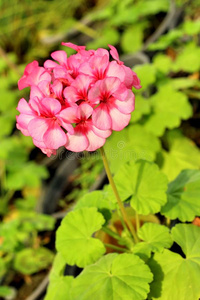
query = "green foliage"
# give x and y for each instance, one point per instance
(168, 266)
(142, 107)
(131, 144)
(29, 261)
(183, 195)
(145, 185)
(182, 154)
(132, 38)
(169, 108)
(147, 74)
(7, 292)
(59, 284)
(75, 233)
(154, 238)
(112, 278)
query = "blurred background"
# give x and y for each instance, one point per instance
(159, 39)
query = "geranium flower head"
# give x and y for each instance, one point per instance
(76, 101)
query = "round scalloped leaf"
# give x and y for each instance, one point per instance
(29, 261)
(172, 270)
(131, 144)
(169, 108)
(59, 285)
(96, 199)
(142, 107)
(183, 197)
(154, 238)
(74, 237)
(113, 277)
(147, 73)
(183, 154)
(144, 183)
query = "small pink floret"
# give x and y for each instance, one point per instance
(76, 101)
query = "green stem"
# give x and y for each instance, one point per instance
(115, 247)
(120, 204)
(112, 233)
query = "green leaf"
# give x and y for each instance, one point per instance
(191, 27)
(30, 174)
(7, 292)
(169, 108)
(142, 107)
(131, 144)
(106, 36)
(59, 285)
(183, 83)
(144, 183)
(183, 154)
(96, 199)
(147, 75)
(183, 197)
(75, 233)
(154, 238)
(132, 38)
(29, 261)
(162, 63)
(171, 269)
(188, 60)
(166, 40)
(113, 277)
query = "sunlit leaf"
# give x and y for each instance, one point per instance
(188, 60)
(142, 107)
(154, 238)
(59, 285)
(162, 63)
(74, 237)
(147, 75)
(172, 269)
(183, 154)
(183, 197)
(144, 183)
(132, 38)
(169, 108)
(131, 144)
(113, 277)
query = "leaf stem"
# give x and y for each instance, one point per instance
(120, 204)
(115, 247)
(110, 232)
(137, 221)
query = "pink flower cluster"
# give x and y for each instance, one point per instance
(76, 101)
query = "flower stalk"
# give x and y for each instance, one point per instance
(120, 204)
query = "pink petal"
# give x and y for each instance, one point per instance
(23, 120)
(136, 81)
(77, 142)
(82, 82)
(60, 56)
(101, 133)
(115, 70)
(84, 111)
(44, 87)
(114, 53)
(54, 137)
(128, 105)
(37, 127)
(24, 107)
(57, 88)
(95, 142)
(73, 46)
(69, 115)
(119, 120)
(101, 118)
(94, 94)
(70, 93)
(51, 106)
(110, 84)
(36, 92)
(50, 64)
